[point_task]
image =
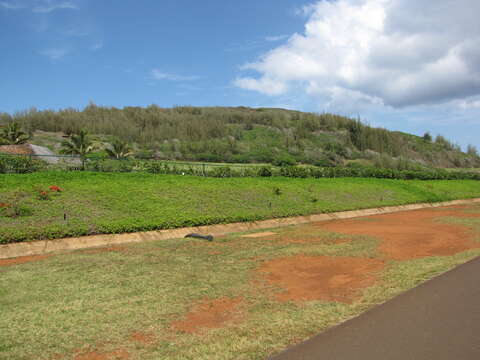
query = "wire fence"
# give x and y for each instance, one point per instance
(27, 163)
(130, 164)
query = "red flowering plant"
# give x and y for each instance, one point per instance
(46, 194)
(43, 194)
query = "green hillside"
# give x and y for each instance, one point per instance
(245, 135)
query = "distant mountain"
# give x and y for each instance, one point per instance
(244, 135)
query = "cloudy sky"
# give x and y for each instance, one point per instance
(410, 65)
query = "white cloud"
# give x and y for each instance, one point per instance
(275, 38)
(39, 6)
(48, 6)
(11, 5)
(393, 52)
(264, 85)
(54, 53)
(159, 75)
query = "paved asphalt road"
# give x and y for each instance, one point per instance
(439, 320)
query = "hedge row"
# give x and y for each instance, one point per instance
(22, 165)
(158, 167)
(380, 173)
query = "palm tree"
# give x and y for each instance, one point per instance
(119, 149)
(79, 144)
(12, 134)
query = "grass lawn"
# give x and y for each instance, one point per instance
(129, 302)
(115, 202)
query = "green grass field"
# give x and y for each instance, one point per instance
(115, 202)
(88, 304)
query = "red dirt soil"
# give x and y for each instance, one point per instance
(412, 234)
(114, 355)
(22, 260)
(209, 314)
(142, 338)
(321, 277)
(16, 149)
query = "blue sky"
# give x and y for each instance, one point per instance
(377, 59)
(109, 51)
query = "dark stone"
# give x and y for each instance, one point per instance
(198, 236)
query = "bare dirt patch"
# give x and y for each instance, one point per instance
(22, 260)
(214, 253)
(16, 149)
(142, 338)
(325, 278)
(209, 314)
(412, 234)
(259, 235)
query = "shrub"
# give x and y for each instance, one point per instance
(44, 195)
(19, 164)
(221, 172)
(264, 171)
(155, 167)
(285, 160)
(325, 162)
(295, 171)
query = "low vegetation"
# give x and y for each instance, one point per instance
(13, 164)
(243, 135)
(93, 203)
(130, 302)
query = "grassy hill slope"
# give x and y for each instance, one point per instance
(245, 135)
(128, 202)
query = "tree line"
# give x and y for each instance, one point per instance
(243, 134)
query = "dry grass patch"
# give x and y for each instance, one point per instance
(143, 301)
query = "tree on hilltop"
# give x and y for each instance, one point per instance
(427, 137)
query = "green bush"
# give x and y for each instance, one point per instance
(20, 165)
(221, 172)
(3, 166)
(156, 167)
(295, 171)
(285, 160)
(265, 171)
(110, 165)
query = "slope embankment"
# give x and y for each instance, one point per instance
(52, 205)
